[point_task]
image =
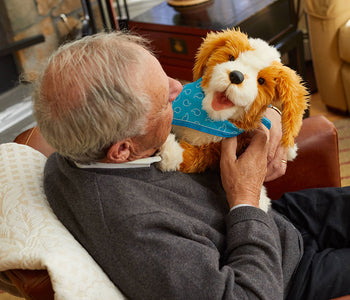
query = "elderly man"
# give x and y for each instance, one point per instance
(104, 102)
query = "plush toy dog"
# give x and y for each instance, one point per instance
(235, 79)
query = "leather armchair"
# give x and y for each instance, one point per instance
(329, 33)
(317, 165)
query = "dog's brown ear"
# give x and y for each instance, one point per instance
(209, 44)
(293, 96)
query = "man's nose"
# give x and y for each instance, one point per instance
(175, 89)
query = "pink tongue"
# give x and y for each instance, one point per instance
(220, 101)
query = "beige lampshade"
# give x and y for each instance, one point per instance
(186, 2)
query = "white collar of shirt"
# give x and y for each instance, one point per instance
(139, 163)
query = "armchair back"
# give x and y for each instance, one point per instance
(329, 34)
(317, 165)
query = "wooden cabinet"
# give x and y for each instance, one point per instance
(176, 33)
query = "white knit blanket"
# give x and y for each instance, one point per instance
(31, 237)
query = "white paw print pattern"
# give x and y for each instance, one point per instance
(187, 104)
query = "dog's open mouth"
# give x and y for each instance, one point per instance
(220, 101)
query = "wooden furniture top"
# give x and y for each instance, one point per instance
(256, 17)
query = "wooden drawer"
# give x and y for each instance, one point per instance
(175, 51)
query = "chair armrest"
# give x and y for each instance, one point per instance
(33, 138)
(344, 42)
(317, 163)
(32, 284)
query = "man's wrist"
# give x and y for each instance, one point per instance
(244, 201)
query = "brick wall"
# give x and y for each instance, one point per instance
(31, 17)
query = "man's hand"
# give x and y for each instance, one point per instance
(243, 177)
(276, 153)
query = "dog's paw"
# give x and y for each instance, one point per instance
(292, 152)
(265, 201)
(171, 154)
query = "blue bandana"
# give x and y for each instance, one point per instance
(188, 112)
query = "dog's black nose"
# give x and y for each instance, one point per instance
(236, 77)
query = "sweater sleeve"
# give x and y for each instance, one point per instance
(161, 257)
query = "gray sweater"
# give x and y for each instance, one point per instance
(171, 235)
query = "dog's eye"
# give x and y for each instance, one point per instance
(231, 58)
(261, 80)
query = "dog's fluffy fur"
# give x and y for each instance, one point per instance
(266, 81)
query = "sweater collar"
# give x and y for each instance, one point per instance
(139, 163)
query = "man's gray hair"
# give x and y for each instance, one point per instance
(87, 97)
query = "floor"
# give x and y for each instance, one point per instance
(5, 296)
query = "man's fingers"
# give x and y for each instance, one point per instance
(275, 132)
(259, 142)
(229, 147)
(277, 167)
(273, 148)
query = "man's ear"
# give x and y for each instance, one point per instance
(119, 152)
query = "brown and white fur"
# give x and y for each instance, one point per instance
(264, 81)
